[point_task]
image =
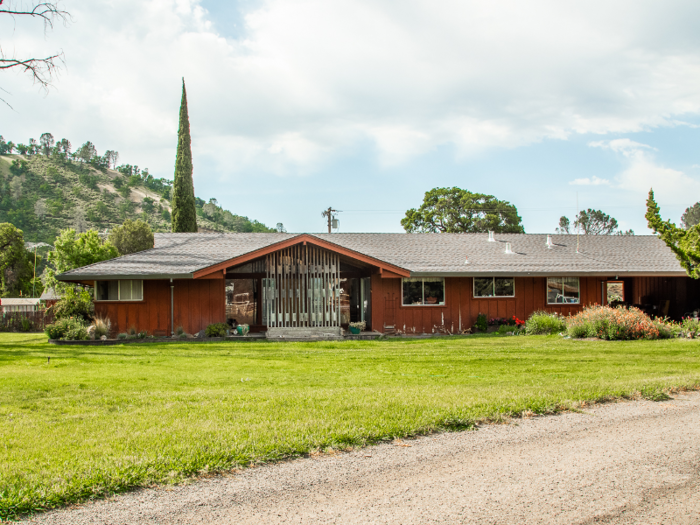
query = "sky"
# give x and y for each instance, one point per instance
(364, 105)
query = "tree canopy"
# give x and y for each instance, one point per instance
(454, 210)
(131, 237)
(591, 222)
(15, 267)
(184, 211)
(691, 216)
(73, 250)
(685, 243)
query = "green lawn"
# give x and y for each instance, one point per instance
(101, 419)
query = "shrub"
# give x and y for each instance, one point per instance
(216, 330)
(540, 323)
(481, 323)
(26, 325)
(102, 327)
(122, 336)
(614, 324)
(504, 329)
(689, 327)
(179, 331)
(667, 329)
(75, 304)
(67, 329)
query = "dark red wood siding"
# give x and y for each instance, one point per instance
(198, 303)
(461, 308)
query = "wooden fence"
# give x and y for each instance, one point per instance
(26, 321)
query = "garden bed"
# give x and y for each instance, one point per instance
(151, 340)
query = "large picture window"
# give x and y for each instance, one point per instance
(494, 287)
(127, 290)
(563, 290)
(429, 291)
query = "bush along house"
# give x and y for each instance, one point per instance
(315, 284)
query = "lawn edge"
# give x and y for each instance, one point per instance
(659, 394)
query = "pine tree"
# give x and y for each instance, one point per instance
(184, 211)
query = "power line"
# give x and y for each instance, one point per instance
(637, 206)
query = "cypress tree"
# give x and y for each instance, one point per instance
(184, 211)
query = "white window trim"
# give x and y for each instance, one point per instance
(119, 292)
(546, 291)
(493, 280)
(423, 305)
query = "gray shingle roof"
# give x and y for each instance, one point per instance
(178, 255)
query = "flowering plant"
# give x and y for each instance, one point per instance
(690, 327)
(360, 325)
(614, 324)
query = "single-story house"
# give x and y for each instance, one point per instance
(413, 283)
(49, 297)
(19, 304)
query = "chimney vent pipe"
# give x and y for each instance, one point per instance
(549, 242)
(491, 237)
(508, 248)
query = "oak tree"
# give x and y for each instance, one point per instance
(454, 210)
(131, 237)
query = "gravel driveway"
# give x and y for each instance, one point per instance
(633, 462)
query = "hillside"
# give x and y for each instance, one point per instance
(42, 195)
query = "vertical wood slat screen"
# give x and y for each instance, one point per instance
(301, 288)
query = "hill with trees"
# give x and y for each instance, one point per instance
(45, 188)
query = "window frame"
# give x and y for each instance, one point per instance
(119, 292)
(607, 293)
(565, 303)
(423, 304)
(493, 284)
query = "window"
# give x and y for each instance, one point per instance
(130, 290)
(563, 290)
(615, 291)
(428, 291)
(494, 287)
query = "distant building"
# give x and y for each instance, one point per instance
(19, 304)
(49, 297)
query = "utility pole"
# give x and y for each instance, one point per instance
(329, 215)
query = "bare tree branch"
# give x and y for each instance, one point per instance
(47, 11)
(42, 70)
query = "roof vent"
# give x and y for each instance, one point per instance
(550, 243)
(491, 237)
(508, 248)
(466, 260)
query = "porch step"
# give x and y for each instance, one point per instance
(328, 333)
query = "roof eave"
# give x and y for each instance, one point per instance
(608, 273)
(301, 238)
(113, 277)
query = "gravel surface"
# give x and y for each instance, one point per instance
(624, 463)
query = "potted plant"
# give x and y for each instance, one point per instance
(356, 328)
(243, 329)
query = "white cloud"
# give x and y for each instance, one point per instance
(590, 181)
(626, 147)
(642, 172)
(309, 78)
